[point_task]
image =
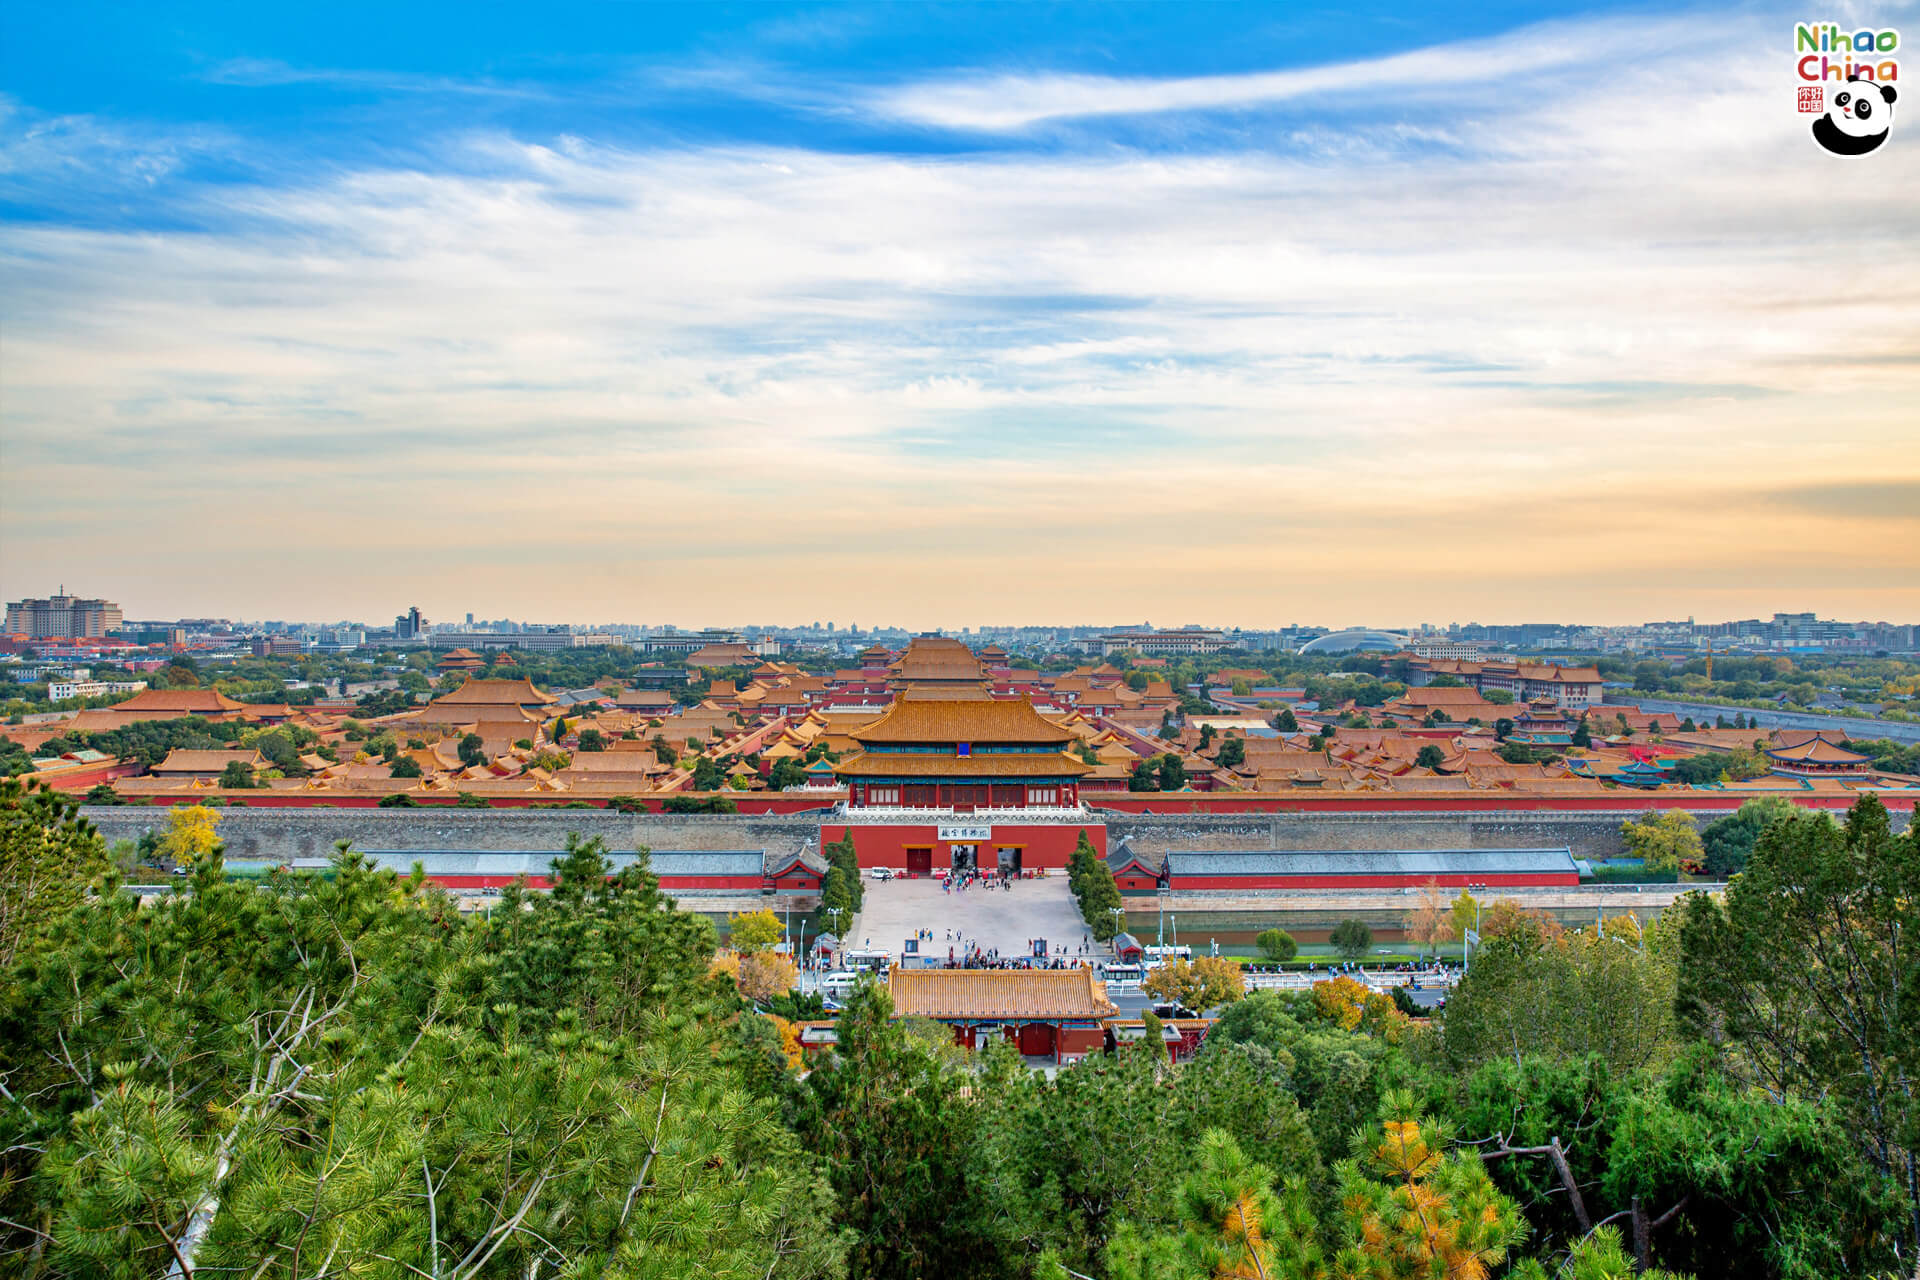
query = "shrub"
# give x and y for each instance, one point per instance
(1277, 945)
(1351, 938)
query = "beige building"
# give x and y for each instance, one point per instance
(62, 617)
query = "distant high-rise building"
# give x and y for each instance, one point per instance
(62, 617)
(411, 625)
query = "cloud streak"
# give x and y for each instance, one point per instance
(1005, 103)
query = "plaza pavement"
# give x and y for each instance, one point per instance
(993, 918)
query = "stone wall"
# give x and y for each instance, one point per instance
(280, 834)
(1588, 835)
(311, 833)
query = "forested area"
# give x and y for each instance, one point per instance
(339, 1074)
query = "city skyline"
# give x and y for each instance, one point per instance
(1198, 315)
(457, 620)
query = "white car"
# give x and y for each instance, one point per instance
(881, 873)
(841, 982)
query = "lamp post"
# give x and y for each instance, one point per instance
(1117, 913)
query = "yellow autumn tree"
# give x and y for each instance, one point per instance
(1354, 1006)
(762, 975)
(789, 1042)
(1665, 842)
(1506, 918)
(191, 834)
(751, 931)
(1205, 983)
(1431, 920)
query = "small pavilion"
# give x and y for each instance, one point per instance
(1817, 756)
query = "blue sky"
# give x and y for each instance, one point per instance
(706, 313)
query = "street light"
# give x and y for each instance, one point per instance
(1117, 913)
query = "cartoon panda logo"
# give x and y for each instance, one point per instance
(1858, 117)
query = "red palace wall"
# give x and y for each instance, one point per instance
(1484, 802)
(1081, 1040)
(1048, 845)
(668, 884)
(1181, 883)
(1117, 801)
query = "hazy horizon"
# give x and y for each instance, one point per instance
(1194, 313)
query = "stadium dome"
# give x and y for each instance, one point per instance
(1354, 641)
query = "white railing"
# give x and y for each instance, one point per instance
(868, 814)
(1296, 980)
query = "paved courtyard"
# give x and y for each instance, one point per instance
(992, 918)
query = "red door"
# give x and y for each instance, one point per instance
(919, 862)
(1036, 1039)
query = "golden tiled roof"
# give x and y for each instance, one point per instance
(1818, 749)
(998, 993)
(193, 701)
(494, 693)
(936, 720)
(186, 760)
(937, 661)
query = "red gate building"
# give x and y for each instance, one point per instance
(944, 781)
(1051, 1013)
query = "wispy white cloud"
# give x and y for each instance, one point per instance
(37, 150)
(271, 73)
(1002, 103)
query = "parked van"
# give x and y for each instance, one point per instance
(839, 984)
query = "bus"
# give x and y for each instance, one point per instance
(875, 962)
(1123, 975)
(1160, 955)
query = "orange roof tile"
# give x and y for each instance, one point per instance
(998, 993)
(175, 701)
(495, 693)
(185, 760)
(1816, 748)
(922, 719)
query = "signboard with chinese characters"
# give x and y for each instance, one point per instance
(951, 832)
